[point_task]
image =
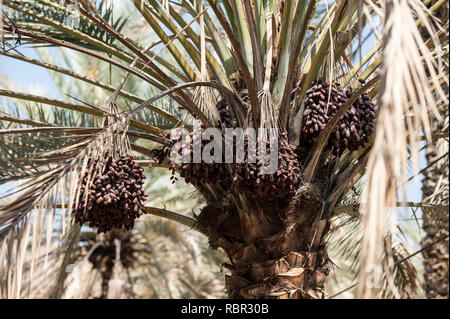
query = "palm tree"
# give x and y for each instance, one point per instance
(298, 66)
(435, 223)
(435, 189)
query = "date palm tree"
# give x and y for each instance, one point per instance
(248, 64)
(435, 189)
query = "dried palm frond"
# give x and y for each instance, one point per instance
(405, 100)
(405, 277)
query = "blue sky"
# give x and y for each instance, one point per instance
(27, 76)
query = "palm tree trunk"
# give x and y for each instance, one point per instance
(435, 225)
(275, 251)
(106, 277)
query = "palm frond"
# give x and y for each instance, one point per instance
(403, 80)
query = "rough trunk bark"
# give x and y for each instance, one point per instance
(435, 225)
(275, 248)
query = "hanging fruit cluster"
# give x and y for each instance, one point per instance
(225, 114)
(199, 172)
(115, 198)
(352, 130)
(248, 176)
(202, 172)
(355, 127)
(319, 109)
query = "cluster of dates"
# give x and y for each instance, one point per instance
(113, 199)
(200, 172)
(322, 102)
(355, 127)
(249, 177)
(251, 174)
